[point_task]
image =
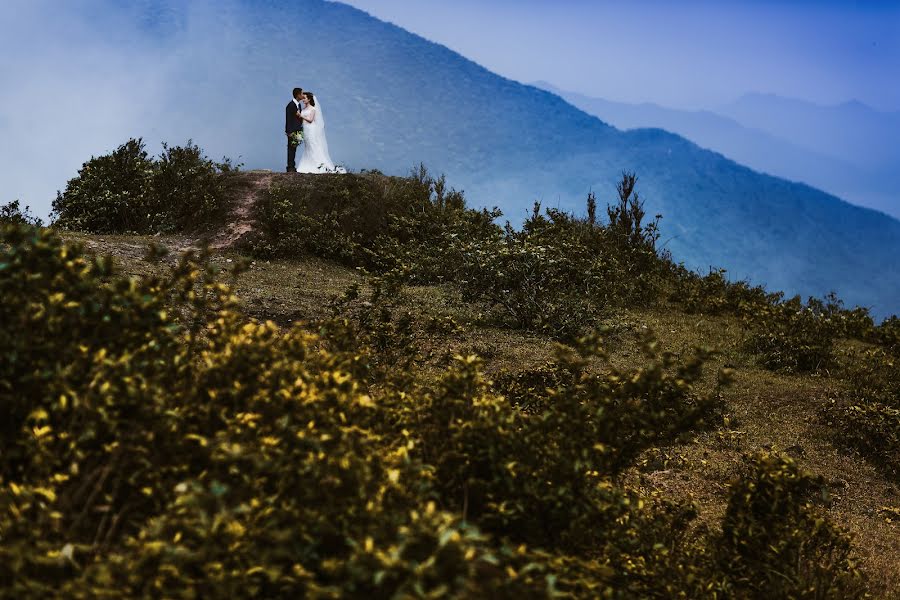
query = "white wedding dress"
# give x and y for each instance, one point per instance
(315, 158)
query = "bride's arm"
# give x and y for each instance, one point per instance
(309, 116)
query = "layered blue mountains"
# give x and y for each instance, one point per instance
(223, 72)
(849, 150)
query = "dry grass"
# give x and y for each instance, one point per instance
(763, 409)
(771, 410)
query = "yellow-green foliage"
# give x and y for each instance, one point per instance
(369, 220)
(558, 274)
(156, 443)
(12, 212)
(714, 294)
(888, 334)
(773, 543)
(867, 417)
(792, 337)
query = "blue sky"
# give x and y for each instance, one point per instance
(684, 54)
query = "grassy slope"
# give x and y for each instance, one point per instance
(764, 408)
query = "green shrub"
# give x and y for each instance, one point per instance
(528, 390)
(327, 219)
(529, 285)
(867, 417)
(110, 193)
(871, 427)
(497, 464)
(776, 543)
(626, 218)
(888, 334)
(848, 323)
(792, 337)
(188, 188)
(381, 336)
(127, 191)
(714, 294)
(560, 273)
(13, 213)
(368, 220)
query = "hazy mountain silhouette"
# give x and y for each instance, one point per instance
(851, 131)
(820, 161)
(393, 99)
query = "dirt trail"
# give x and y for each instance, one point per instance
(241, 221)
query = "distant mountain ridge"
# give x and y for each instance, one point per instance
(852, 130)
(749, 137)
(394, 99)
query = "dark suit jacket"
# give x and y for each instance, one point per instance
(292, 123)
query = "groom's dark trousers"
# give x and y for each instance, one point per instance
(292, 123)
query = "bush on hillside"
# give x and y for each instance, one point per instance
(482, 445)
(559, 274)
(188, 188)
(382, 337)
(127, 191)
(888, 334)
(109, 195)
(714, 294)
(626, 217)
(368, 220)
(554, 275)
(550, 288)
(870, 427)
(528, 390)
(13, 213)
(157, 443)
(792, 337)
(776, 543)
(854, 323)
(867, 417)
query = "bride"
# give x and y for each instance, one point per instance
(315, 157)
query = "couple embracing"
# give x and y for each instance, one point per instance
(304, 125)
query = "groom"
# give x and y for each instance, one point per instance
(293, 123)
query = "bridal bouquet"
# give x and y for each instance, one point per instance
(295, 138)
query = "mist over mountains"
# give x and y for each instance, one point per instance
(220, 73)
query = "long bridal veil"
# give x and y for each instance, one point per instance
(316, 158)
